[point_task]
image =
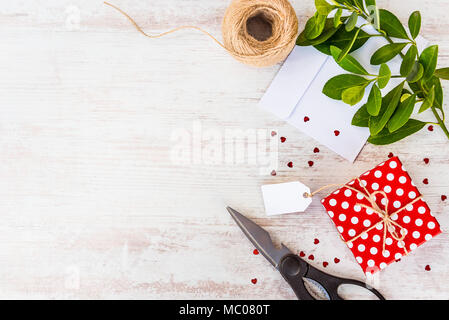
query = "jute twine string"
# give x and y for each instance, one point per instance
(238, 41)
(389, 225)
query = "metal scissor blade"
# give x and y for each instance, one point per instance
(260, 238)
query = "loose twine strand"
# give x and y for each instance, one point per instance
(389, 225)
(236, 39)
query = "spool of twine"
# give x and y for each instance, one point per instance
(259, 33)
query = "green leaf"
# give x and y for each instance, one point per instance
(348, 63)
(353, 95)
(386, 137)
(392, 25)
(323, 7)
(389, 105)
(334, 87)
(408, 61)
(384, 76)
(361, 117)
(374, 101)
(315, 26)
(428, 102)
(435, 82)
(402, 114)
(352, 21)
(337, 17)
(328, 31)
(442, 73)
(373, 13)
(428, 59)
(341, 40)
(387, 52)
(414, 24)
(416, 73)
(345, 51)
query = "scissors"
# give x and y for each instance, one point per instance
(291, 266)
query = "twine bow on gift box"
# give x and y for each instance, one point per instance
(389, 225)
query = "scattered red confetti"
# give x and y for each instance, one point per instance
(306, 119)
(273, 133)
(316, 150)
(311, 257)
(427, 268)
(390, 155)
(254, 281)
(398, 260)
(336, 260)
(443, 198)
(425, 181)
(430, 128)
(337, 133)
(426, 160)
(325, 264)
(316, 241)
(256, 252)
(273, 173)
(283, 139)
(310, 163)
(302, 254)
(290, 164)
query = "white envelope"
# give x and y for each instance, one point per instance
(296, 93)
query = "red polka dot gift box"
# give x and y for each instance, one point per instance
(381, 216)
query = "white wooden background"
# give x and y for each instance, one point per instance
(91, 204)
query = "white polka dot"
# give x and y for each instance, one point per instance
(382, 265)
(345, 205)
(404, 232)
(400, 244)
(376, 238)
(418, 222)
(360, 196)
(380, 165)
(400, 192)
(413, 246)
(375, 186)
(350, 245)
(394, 217)
(416, 234)
(367, 173)
(354, 220)
(364, 236)
(387, 189)
(348, 193)
(371, 263)
(397, 256)
(373, 250)
(361, 247)
(369, 211)
(367, 223)
(412, 194)
(351, 232)
(406, 219)
(357, 208)
(393, 164)
(336, 192)
(431, 225)
(421, 210)
(340, 229)
(402, 179)
(378, 174)
(359, 259)
(363, 183)
(331, 214)
(409, 207)
(390, 177)
(384, 201)
(397, 204)
(386, 253)
(380, 226)
(342, 217)
(389, 241)
(332, 202)
(428, 237)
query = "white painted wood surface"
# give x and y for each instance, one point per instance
(91, 203)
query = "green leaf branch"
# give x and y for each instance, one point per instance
(333, 31)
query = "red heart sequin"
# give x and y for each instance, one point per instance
(426, 160)
(273, 173)
(316, 241)
(256, 252)
(390, 155)
(316, 150)
(302, 254)
(310, 163)
(336, 260)
(290, 164)
(273, 133)
(283, 139)
(325, 264)
(443, 198)
(306, 119)
(427, 268)
(425, 181)
(254, 281)
(311, 257)
(430, 128)
(337, 133)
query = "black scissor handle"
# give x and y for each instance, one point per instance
(294, 270)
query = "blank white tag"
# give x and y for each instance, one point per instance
(285, 198)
